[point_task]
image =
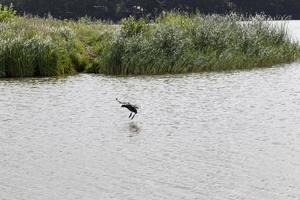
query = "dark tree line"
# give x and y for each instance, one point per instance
(117, 9)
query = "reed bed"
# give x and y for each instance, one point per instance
(182, 43)
(32, 49)
(172, 43)
(47, 47)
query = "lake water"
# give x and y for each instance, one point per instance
(209, 136)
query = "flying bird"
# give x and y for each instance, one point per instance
(132, 108)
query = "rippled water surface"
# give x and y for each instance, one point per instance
(215, 136)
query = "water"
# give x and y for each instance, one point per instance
(215, 136)
(294, 29)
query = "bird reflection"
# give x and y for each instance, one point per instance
(134, 129)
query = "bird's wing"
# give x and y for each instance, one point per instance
(136, 106)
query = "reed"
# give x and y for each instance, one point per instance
(31, 48)
(171, 43)
(182, 43)
(7, 13)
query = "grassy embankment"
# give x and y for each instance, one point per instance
(172, 43)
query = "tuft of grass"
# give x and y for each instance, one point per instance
(32, 57)
(7, 13)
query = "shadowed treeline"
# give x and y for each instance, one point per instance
(118, 9)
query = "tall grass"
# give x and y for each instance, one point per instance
(27, 50)
(32, 46)
(172, 43)
(181, 43)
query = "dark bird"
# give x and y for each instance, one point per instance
(132, 108)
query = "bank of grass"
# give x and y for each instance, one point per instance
(180, 43)
(31, 46)
(172, 43)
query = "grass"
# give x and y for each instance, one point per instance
(181, 44)
(172, 43)
(47, 47)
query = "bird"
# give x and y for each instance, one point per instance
(132, 108)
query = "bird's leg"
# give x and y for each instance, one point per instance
(133, 116)
(130, 115)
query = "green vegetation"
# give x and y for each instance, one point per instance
(47, 47)
(179, 43)
(7, 13)
(172, 43)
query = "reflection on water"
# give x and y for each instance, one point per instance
(215, 136)
(134, 129)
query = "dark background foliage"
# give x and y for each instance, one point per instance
(117, 9)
